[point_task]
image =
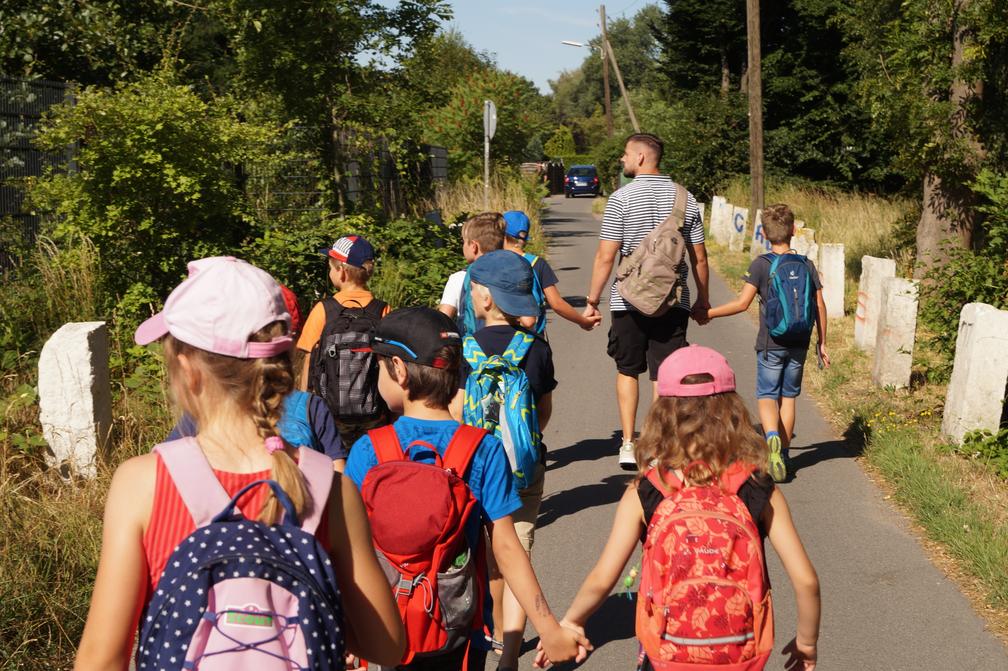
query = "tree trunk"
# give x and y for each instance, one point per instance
(725, 73)
(947, 211)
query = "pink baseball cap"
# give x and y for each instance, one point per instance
(218, 307)
(694, 360)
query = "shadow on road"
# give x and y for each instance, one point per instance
(850, 446)
(585, 450)
(573, 501)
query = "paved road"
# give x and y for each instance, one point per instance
(885, 607)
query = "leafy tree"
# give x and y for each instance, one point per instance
(934, 76)
(458, 125)
(561, 143)
(152, 186)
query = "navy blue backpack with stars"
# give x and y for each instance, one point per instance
(240, 594)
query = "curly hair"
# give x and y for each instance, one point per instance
(701, 434)
(258, 386)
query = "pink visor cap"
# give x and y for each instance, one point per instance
(694, 360)
(218, 307)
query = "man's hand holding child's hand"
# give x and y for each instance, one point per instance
(567, 633)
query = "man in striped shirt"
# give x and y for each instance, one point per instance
(637, 342)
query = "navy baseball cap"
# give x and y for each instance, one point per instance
(508, 276)
(352, 250)
(416, 335)
(516, 224)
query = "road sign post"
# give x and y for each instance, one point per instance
(489, 128)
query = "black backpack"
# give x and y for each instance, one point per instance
(342, 369)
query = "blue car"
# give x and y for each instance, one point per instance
(580, 180)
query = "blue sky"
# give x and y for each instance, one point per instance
(525, 35)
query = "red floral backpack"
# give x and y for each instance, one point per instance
(704, 600)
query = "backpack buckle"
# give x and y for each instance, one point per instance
(406, 586)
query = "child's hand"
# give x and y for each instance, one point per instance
(588, 323)
(564, 643)
(801, 656)
(699, 312)
(823, 356)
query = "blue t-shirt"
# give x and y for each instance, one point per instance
(489, 477)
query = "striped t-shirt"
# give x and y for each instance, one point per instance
(635, 210)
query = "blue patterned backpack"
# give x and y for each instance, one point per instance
(240, 594)
(498, 398)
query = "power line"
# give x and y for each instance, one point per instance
(624, 10)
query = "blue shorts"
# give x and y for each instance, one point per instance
(779, 372)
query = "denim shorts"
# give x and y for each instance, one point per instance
(779, 372)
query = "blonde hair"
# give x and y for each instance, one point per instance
(778, 223)
(486, 229)
(258, 387)
(494, 312)
(700, 434)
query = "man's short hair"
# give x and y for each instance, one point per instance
(486, 229)
(652, 142)
(778, 223)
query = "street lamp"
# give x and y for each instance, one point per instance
(605, 79)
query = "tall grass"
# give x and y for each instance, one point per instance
(50, 528)
(866, 224)
(464, 198)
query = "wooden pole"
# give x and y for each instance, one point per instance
(619, 77)
(755, 90)
(605, 77)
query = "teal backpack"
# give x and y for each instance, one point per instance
(498, 398)
(539, 294)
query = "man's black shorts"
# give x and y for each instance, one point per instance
(638, 343)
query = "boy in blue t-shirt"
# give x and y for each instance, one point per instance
(779, 366)
(419, 351)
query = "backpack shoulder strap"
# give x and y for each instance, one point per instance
(386, 444)
(462, 448)
(202, 493)
(472, 352)
(666, 488)
(531, 258)
(519, 346)
(735, 476)
(681, 198)
(375, 309)
(317, 470)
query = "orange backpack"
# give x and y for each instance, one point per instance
(704, 599)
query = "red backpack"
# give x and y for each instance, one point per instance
(418, 514)
(704, 599)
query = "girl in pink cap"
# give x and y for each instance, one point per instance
(224, 332)
(702, 505)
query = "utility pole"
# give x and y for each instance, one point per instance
(619, 77)
(605, 76)
(755, 90)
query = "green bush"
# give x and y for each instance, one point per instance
(979, 275)
(155, 183)
(991, 448)
(415, 256)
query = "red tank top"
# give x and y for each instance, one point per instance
(170, 521)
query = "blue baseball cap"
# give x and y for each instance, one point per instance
(516, 224)
(508, 276)
(352, 250)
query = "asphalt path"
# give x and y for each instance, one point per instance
(885, 606)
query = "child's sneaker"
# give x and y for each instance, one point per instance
(778, 470)
(627, 458)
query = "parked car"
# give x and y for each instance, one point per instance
(581, 179)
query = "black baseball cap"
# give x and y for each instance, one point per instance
(415, 335)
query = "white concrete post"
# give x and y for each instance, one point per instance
(703, 210)
(75, 401)
(831, 268)
(896, 332)
(721, 213)
(803, 242)
(975, 397)
(873, 272)
(737, 237)
(759, 244)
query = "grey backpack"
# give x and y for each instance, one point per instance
(648, 278)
